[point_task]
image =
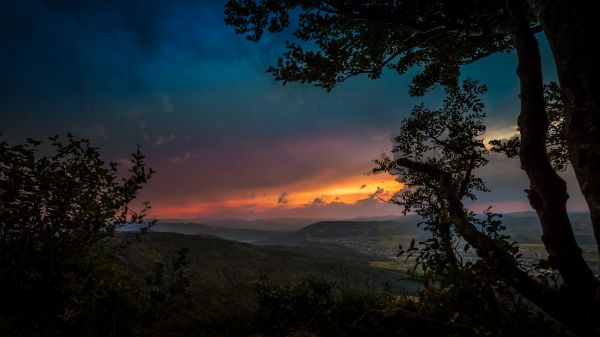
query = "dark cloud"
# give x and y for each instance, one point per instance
(316, 201)
(283, 198)
(333, 210)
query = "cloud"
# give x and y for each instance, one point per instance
(182, 159)
(283, 198)
(316, 201)
(160, 140)
(334, 210)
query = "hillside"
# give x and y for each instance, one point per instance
(270, 224)
(229, 263)
(224, 275)
(376, 238)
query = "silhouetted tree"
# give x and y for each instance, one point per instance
(435, 155)
(59, 207)
(341, 39)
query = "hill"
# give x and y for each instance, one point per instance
(237, 234)
(221, 299)
(271, 224)
(381, 238)
(229, 263)
(375, 238)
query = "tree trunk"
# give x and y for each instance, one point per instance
(572, 31)
(548, 191)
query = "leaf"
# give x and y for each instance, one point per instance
(412, 244)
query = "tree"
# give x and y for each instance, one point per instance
(341, 39)
(448, 139)
(58, 211)
(570, 27)
(435, 156)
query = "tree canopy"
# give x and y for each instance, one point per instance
(340, 39)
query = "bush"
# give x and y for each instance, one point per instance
(59, 274)
(314, 305)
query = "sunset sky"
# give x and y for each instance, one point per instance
(226, 139)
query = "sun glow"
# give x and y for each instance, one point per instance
(349, 190)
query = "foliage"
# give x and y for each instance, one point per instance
(476, 294)
(223, 277)
(335, 40)
(450, 139)
(60, 263)
(314, 305)
(555, 138)
(483, 302)
(163, 296)
(57, 211)
(460, 287)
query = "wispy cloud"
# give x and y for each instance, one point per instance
(183, 158)
(162, 140)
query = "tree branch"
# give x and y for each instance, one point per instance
(486, 248)
(464, 184)
(423, 37)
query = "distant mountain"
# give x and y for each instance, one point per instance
(525, 227)
(274, 224)
(236, 234)
(378, 238)
(382, 238)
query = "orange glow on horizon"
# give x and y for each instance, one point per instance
(347, 190)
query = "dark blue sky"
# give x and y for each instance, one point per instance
(226, 139)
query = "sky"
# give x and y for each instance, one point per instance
(226, 139)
